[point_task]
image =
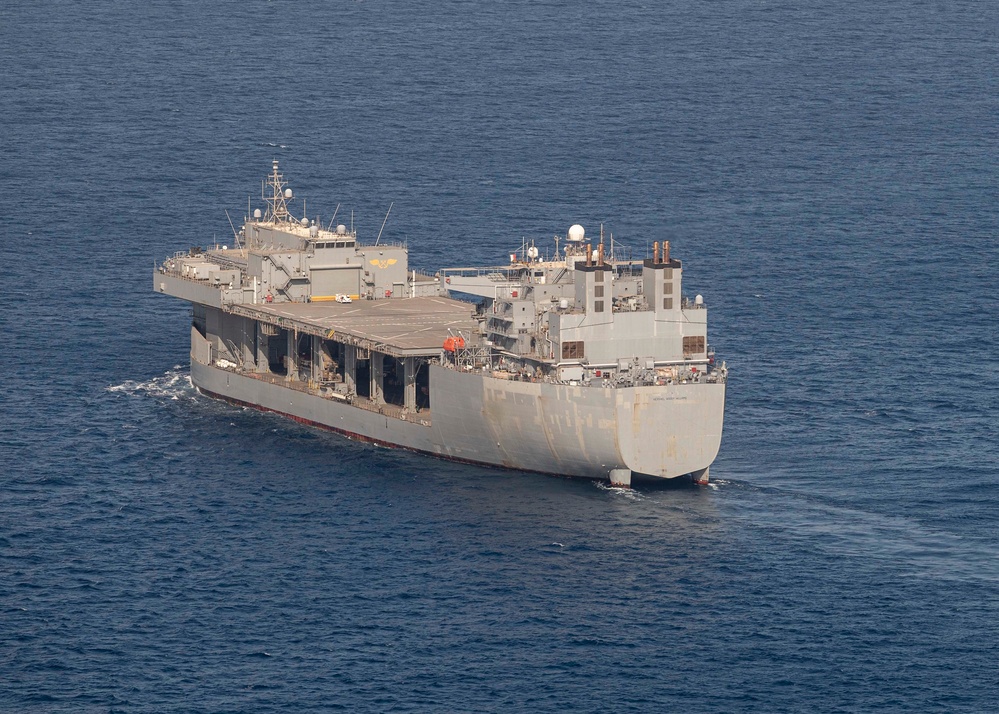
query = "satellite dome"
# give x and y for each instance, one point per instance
(288, 193)
(576, 233)
(341, 230)
(256, 213)
(305, 221)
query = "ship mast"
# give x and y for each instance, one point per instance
(277, 202)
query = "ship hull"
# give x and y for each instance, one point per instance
(581, 431)
(659, 432)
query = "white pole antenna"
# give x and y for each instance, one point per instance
(384, 222)
(235, 235)
(330, 226)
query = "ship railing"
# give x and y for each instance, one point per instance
(213, 258)
(385, 243)
(227, 263)
(496, 274)
(680, 374)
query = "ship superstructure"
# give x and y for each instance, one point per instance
(579, 363)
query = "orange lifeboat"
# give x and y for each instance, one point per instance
(454, 343)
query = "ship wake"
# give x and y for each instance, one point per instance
(919, 549)
(174, 384)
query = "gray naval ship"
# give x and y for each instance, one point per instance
(577, 363)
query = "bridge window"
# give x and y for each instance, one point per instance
(693, 346)
(572, 350)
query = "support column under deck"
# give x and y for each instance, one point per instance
(350, 368)
(317, 358)
(247, 347)
(292, 358)
(409, 382)
(377, 377)
(263, 343)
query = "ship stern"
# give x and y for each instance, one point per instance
(670, 431)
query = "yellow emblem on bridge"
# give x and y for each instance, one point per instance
(383, 263)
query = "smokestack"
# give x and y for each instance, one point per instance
(600, 254)
(665, 251)
(589, 255)
(655, 253)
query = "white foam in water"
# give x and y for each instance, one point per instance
(618, 491)
(174, 384)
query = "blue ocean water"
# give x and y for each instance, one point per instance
(827, 172)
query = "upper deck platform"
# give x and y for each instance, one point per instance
(401, 327)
